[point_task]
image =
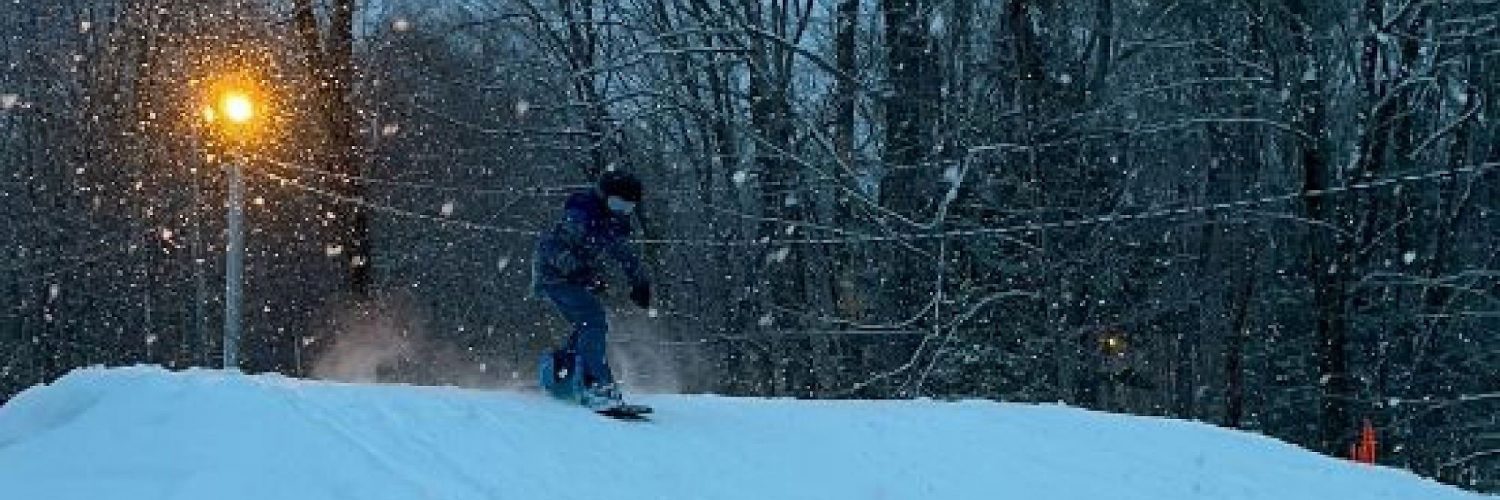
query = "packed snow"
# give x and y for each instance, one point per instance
(147, 433)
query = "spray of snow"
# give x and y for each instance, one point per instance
(367, 339)
(389, 339)
(642, 356)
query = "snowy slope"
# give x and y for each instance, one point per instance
(145, 433)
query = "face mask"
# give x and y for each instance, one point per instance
(619, 205)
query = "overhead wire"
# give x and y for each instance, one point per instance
(1475, 170)
(364, 203)
(559, 190)
(540, 191)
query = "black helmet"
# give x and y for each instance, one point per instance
(621, 184)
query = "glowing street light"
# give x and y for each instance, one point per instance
(237, 107)
(235, 112)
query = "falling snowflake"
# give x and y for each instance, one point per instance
(334, 250)
(766, 320)
(447, 209)
(779, 255)
(8, 101)
(740, 177)
(522, 108)
(390, 129)
(401, 25)
(1409, 257)
(503, 263)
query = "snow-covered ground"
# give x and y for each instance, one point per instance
(145, 433)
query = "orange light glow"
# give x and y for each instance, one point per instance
(237, 107)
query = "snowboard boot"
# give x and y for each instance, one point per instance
(558, 376)
(602, 397)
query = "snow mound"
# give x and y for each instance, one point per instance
(146, 433)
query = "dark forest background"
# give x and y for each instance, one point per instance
(1275, 215)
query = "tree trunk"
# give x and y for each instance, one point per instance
(330, 59)
(909, 180)
(583, 55)
(1234, 354)
(904, 188)
(846, 297)
(1326, 269)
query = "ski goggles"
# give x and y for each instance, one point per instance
(620, 205)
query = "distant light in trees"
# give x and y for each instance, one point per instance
(1113, 343)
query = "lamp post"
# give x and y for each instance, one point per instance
(236, 111)
(234, 266)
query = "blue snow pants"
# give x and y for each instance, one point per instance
(584, 311)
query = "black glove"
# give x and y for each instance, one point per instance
(641, 296)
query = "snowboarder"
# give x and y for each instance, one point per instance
(566, 271)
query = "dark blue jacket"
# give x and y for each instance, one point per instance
(569, 252)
